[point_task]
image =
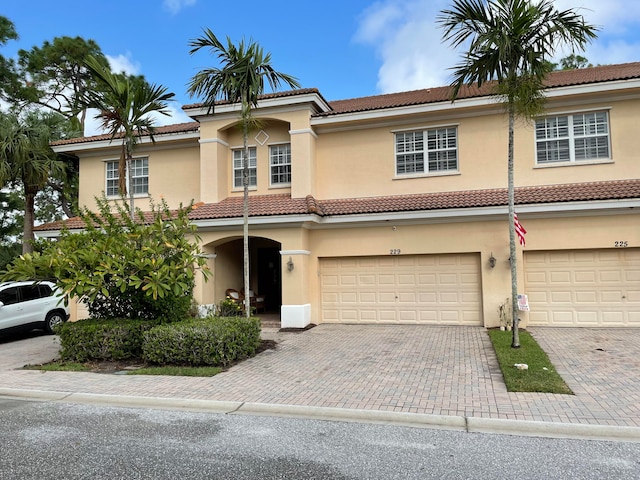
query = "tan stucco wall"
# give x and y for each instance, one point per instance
(361, 162)
(173, 175)
(302, 285)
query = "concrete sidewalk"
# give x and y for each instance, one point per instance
(419, 375)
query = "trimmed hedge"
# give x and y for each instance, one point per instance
(102, 339)
(217, 341)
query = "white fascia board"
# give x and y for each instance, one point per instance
(284, 101)
(269, 221)
(479, 214)
(117, 142)
(604, 87)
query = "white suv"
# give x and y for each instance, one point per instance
(31, 305)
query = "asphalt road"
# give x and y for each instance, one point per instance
(51, 440)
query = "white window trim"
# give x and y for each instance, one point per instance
(237, 188)
(283, 184)
(426, 173)
(572, 160)
(136, 195)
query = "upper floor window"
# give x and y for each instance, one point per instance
(280, 164)
(139, 177)
(238, 168)
(428, 151)
(571, 138)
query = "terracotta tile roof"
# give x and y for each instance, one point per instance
(279, 205)
(484, 198)
(163, 130)
(259, 205)
(557, 79)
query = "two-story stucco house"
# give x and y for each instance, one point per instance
(392, 208)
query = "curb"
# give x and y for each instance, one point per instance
(415, 420)
(554, 430)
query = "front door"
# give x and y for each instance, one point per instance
(269, 277)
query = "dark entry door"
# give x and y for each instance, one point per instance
(269, 276)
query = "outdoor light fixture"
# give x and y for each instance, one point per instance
(290, 264)
(492, 260)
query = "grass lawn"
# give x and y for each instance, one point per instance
(541, 375)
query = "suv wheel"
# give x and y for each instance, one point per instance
(53, 320)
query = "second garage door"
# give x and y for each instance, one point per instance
(428, 289)
(590, 288)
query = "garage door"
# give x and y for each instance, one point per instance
(584, 288)
(429, 289)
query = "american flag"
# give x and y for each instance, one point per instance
(520, 231)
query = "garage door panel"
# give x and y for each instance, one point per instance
(386, 279)
(583, 288)
(587, 297)
(588, 277)
(559, 278)
(402, 289)
(633, 296)
(425, 280)
(448, 279)
(407, 297)
(612, 318)
(426, 298)
(367, 297)
(386, 297)
(407, 279)
(610, 276)
(449, 297)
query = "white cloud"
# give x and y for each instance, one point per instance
(409, 44)
(174, 6)
(124, 63)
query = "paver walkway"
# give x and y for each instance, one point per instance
(400, 368)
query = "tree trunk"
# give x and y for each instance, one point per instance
(122, 170)
(27, 234)
(245, 214)
(130, 175)
(515, 340)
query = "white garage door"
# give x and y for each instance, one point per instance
(584, 287)
(429, 289)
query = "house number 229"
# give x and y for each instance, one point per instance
(394, 251)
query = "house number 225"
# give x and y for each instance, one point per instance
(621, 244)
(394, 251)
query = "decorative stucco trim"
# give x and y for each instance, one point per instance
(213, 140)
(303, 131)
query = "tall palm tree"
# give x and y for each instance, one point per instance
(125, 106)
(239, 79)
(27, 160)
(511, 42)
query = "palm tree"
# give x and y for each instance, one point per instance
(240, 79)
(511, 42)
(125, 106)
(27, 160)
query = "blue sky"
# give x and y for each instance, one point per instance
(346, 49)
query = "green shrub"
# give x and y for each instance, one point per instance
(102, 339)
(217, 341)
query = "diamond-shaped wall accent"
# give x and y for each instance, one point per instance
(262, 137)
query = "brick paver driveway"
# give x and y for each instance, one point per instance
(403, 368)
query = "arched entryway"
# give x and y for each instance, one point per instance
(265, 271)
